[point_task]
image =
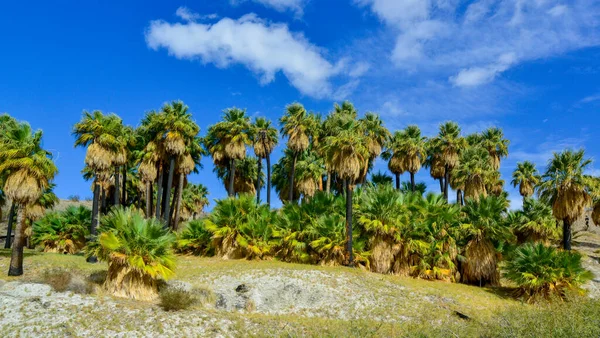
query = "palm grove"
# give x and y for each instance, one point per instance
(335, 212)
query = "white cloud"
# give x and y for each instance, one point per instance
(187, 15)
(263, 47)
(467, 45)
(591, 98)
(295, 6)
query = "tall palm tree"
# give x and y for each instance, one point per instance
(226, 141)
(100, 134)
(474, 172)
(376, 134)
(413, 148)
(298, 126)
(346, 152)
(492, 139)
(449, 143)
(7, 125)
(527, 177)
(30, 171)
(188, 162)
(393, 154)
(565, 186)
(265, 138)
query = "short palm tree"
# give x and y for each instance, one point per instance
(299, 127)
(543, 272)
(138, 252)
(565, 186)
(485, 226)
(380, 178)
(534, 223)
(30, 170)
(492, 139)
(264, 139)
(63, 232)
(526, 177)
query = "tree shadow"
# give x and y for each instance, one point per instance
(26, 253)
(503, 292)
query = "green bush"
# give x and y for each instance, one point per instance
(63, 232)
(195, 239)
(545, 272)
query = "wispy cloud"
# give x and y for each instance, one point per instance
(187, 15)
(591, 98)
(295, 6)
(263, 47)
(473, 46)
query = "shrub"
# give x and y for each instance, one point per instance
(74, 198)
(176, 298)
(544, 272)
(195, 239)
(63, 232)
(138, 252)
(62, 280)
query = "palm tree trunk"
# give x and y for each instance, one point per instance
(328, 183)
(291, 183)
(104, 201)
(412, 181)
(258, 180)
(167, 214)
(441, 185)
(148, 199)
(269, 179)
(95, 218)
(178, 205)
(117, 186)
(446, 179)
(165, 198)
(458, 197)
(159, 191)
(231, 177)
(566, 235)
(16, 258)
(397, 181)
(349, 223)
(11, 218)
(124, 184)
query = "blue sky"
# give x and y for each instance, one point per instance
(530, 67)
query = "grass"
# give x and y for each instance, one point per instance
(405, 307)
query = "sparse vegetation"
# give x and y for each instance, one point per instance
(176, 298)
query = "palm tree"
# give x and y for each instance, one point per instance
(37, 209)
(393, 154)
(413, 148)
(194, 199)
(138, 252)
(448, 144)
(565, 186)
(376, 134)
(7, 125)
(309, 171)
(30, 170)
(298, 126)
(474, 172)
(100, 134)
(187, 163)
(380, 178)
(226, 141)
(492, 139)
(527, 177)
(534, 223)
(265, 138)
(346, 153)
(485, 226)
(245, 179)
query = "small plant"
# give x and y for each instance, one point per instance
(545, 272)
(59, 279)
(74, 198)
(176, 298)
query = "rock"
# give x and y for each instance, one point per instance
(242, 288)
(25, 290)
